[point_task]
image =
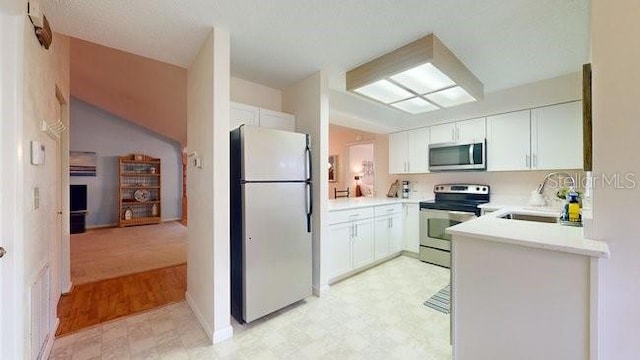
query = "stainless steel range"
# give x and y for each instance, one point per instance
(453, 204)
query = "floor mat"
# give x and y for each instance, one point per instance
(441, 300)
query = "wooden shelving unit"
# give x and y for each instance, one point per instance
(139, 175)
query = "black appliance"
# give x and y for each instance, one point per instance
(78, 208)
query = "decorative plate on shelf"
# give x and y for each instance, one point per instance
(142, 195)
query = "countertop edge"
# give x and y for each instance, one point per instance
(363, 202)
(592, 248)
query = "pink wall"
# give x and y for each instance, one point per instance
(339, 140)
(147, 92)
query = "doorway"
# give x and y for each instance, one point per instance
(361, 171)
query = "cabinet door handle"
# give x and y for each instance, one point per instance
(527, 161)
(535, 161)
(453, 134)
(356, 227)
(457, 133)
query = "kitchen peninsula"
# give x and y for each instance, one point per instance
(524, 288)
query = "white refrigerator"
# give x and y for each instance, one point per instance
(271, 205)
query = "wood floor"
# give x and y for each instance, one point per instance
(107, 253)
(97, 302)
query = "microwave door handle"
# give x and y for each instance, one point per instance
(471, 153)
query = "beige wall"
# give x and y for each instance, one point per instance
(44, 72)
(616, 54)
(308, 100)
(250, 93)
(150, 93)
(208, 273)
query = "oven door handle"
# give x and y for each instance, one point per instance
(453, 212)
(461, 216)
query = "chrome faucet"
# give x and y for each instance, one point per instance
(540, 188)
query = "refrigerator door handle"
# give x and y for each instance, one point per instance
(309, 203)
(307, 151)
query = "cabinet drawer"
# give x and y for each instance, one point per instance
(382, 210)
(340, 216)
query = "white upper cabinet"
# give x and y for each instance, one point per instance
(408, 152)
(277, 120)
(398, 152)
(545, 138)
(418, 151)
(465, 131)
(508, 141)
(243, 114)
(443, 133)
(556, 136)
(473, 130)
(255, 116)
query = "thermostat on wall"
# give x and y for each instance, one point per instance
(37, 153)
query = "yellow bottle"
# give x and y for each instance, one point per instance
(573, 208)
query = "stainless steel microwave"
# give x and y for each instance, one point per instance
(467, 156)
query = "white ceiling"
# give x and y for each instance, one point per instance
(278, 42)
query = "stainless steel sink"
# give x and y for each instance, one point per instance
(528, 217)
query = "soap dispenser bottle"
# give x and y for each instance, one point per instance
(571, 211)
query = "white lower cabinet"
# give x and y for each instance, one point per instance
(411, 227)
(358, 237)
(350, 242)
(339, 259)
(388, 235)
(362, 243)
(382, 248)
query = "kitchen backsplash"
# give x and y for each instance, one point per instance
(507, 187)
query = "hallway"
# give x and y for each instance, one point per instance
(117, 272)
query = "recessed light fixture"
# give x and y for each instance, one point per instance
(416, 78)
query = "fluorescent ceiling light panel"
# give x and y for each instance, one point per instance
(384, 91)
(415, 105)
(450, 97)
(423, 79)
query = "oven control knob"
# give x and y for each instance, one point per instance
(477, 189)
(484, 189)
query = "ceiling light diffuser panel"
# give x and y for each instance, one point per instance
(384, 91)
(423, 79)
(450, 97)
(416, 78)
(415, 106)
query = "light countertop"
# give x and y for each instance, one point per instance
(547, 236)
(360, 202)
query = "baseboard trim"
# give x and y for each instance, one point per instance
(223, 334)
(50, 340)
(349, 274)
(320, 291)
(103, 226)
(199, 316)
(68, 289)
(411, 254)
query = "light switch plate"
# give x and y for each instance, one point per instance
(37, 153)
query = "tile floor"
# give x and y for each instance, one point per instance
(377, 314)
